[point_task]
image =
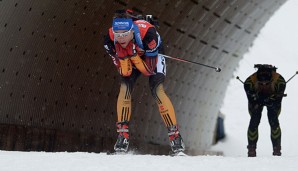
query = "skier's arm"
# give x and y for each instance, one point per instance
(279, 87)
(250, 91)
(118, 54)
(150, 42)
(145, 59)
(110, 49)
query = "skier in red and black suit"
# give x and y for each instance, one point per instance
(134, 46)
(264, 88)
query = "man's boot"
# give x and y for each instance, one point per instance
(276, 151)
(176, 141)
(122, 142)
(251, 151)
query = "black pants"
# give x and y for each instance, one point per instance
(255, 111)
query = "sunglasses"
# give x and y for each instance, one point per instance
(124, 34)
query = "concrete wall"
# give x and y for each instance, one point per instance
(58, 88)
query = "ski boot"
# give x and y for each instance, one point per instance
(176, 141)
(251, 151)
(276, 151)
(122, 142)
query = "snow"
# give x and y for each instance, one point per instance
(37, 161)
(275, 45)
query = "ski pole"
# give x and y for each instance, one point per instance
(292, 76)
(187, 61)
(239, 79)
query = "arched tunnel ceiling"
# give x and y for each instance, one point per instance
(58, 88)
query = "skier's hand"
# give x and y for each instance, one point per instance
(268, 101)
(142, 66)
(125, 68)
(256, 98)
(124, 55)
(140, 51)
(253, 97)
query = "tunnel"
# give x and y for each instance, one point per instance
(59, 88)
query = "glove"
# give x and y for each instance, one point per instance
(255, 98)
(252, 97)
(124, 55)
(140, 51)
(273, 99)
(125, 68)
(269, 102)
(142, 66)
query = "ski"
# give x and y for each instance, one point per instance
(116, 153)
(179, 153)
(171, 153)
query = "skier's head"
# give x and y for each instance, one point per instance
(264, 73)
(122, 27)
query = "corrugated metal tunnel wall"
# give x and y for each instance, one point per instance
(58, 88)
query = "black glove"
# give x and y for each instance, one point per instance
(268, 102)
(260, 99)
(252, 97)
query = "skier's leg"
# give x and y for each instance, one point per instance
(273, 113)
(124, 97)
(124, 111)
(255, 111)
(165, 106)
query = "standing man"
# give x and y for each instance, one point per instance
(134, 46)
(264, 88)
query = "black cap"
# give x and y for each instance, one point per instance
(265, 67)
